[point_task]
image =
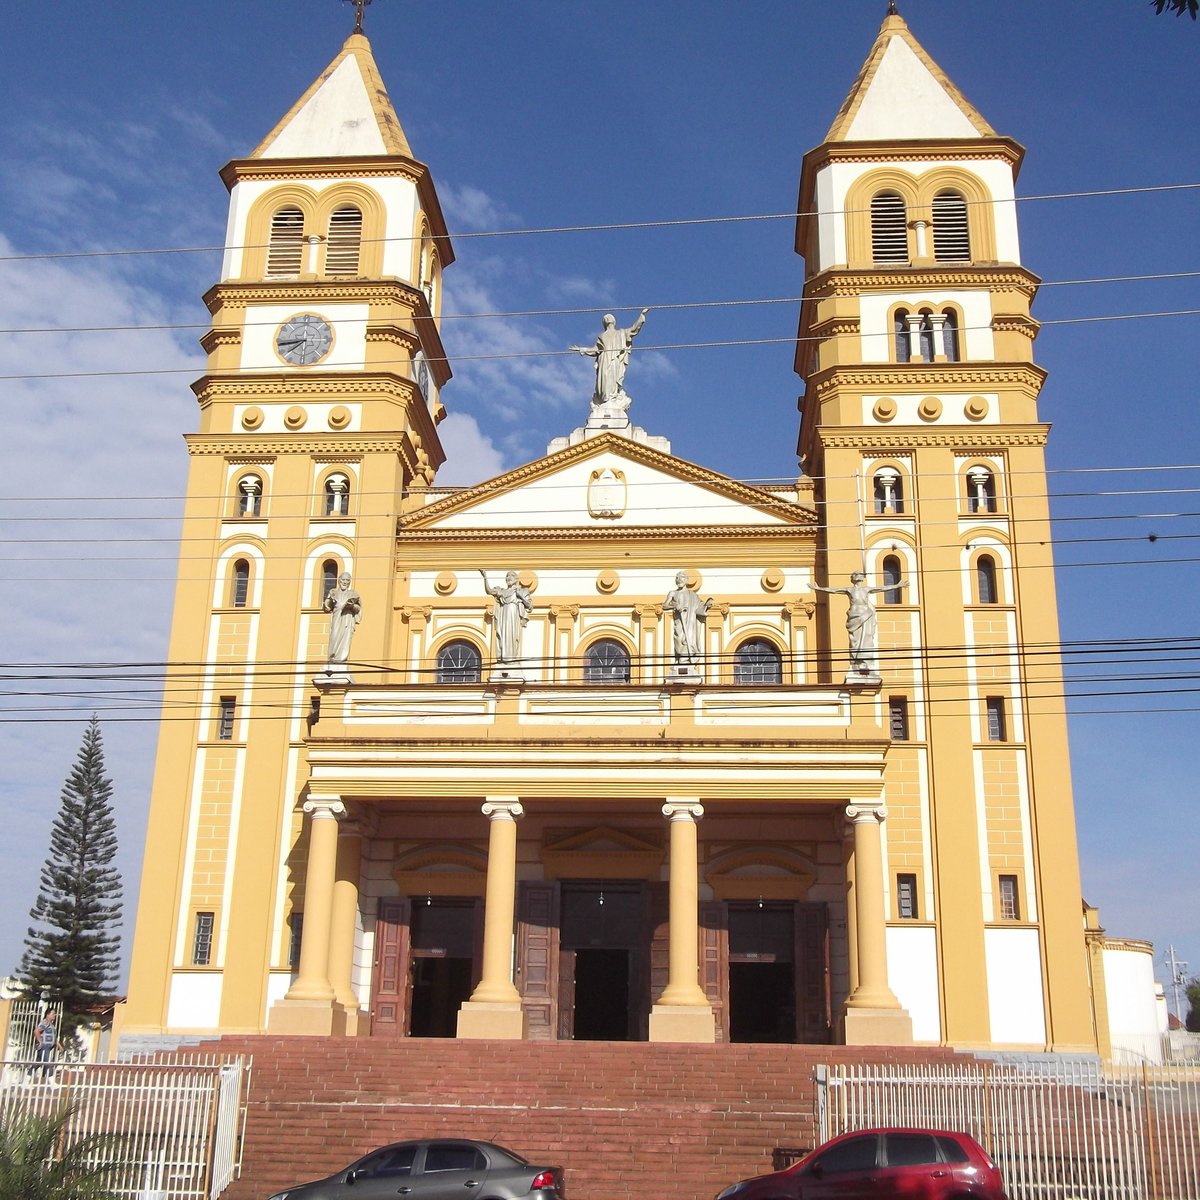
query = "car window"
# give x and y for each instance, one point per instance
(453, 1156)
(394, 1160)
(910, 1149)
(953, 1150)
(858, 1154)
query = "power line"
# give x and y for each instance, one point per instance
(607, 227)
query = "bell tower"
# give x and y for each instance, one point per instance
(319, 409)
(920, 429)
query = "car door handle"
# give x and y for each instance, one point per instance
(403, 1191)
(473, 1183)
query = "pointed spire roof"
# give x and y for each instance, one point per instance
(901, 94)
(345, 113)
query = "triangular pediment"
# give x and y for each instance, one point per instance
(610, 482)
(901, 94)
(346, 113)
(601, 839)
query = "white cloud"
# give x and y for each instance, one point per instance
(471, 456)
(470, 208)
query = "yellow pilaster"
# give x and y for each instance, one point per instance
(343, 921)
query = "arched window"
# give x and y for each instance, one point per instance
(240, 592)
(981, 490)
(893, 573)
(606, 661)
(889, 228)
(249, 502)
(285, 246)
(889, 491)
(950, 335)
(337, 496)
(757, 661)
(345, 241)
(951, 237)
(903, 337)
(459, 662)
(329, 577)
(925, 337)
(985, 579)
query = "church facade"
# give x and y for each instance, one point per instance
(612, 746)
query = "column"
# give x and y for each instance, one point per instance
(683, 1013)
(872, 1014)
(308, 1006)
(494, 1009)
(344, 922)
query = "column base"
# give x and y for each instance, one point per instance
(307, 1018)
(682, 1023)
(502, 1020)
(877, 1027)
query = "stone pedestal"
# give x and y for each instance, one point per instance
(307, 1018)
(876, 1027)
(685, 673)
(482, 1019)
(692, 1023)
(333, 678)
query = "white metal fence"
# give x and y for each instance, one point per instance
(1061, 1129)
(178, 1124)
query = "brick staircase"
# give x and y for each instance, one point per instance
(625, 1119)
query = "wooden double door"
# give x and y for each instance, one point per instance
(593, 955)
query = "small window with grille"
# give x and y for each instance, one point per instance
(985, 579)
(459, 662)
(898, 718)
(241, 583)
(225, 718)
(1010, 898)
(344, 244)
(202, 939)
(906, 897)
(329, 577)
(758, 661)
(893, 576)
(997, 726)
(606, 661)
(889, 228)
(285, 245)
(337, 496)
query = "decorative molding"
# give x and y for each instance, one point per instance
(683, 810)
(285, 386)
(266, 447)
(679, 533)
(508, 809)
(974, 438)
(926, 377)
(844, 281)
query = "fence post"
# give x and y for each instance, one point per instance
(1151, 1135)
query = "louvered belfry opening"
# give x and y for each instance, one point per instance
(889, 228)
(285, 250)
(951, 237)
(345, 241)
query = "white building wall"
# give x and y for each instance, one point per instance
(1132, 1001)
(1014, 980)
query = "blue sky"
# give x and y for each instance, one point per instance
(117, 117)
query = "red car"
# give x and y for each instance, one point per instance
(917, 1164)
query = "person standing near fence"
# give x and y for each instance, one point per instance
(45, 1042)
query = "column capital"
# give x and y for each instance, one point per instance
(503, 808)
(858, 814)
(683, 810)
(319, 807)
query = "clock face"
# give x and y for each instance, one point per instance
(304, 339)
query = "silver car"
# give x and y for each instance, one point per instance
(435, 1169)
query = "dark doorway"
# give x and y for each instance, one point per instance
(762, 981)
(443, 964)
(601, 996)
(602, 980)
(762, 1002)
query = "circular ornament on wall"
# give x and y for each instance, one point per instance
(607, 581)
(445, 583)
(885, 409)
(528, 579)
(252, 418)
(929, 409)
(772, 579)
(976, 408)
(339, 417)
(295, 417)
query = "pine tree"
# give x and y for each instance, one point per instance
(71, 954)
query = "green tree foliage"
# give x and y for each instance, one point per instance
(71, 953)
(1178, 7)
(40, 1161)
(1192, 1024)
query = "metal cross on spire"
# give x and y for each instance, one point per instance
(359, 6)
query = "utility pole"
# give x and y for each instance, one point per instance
(1179, 977)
